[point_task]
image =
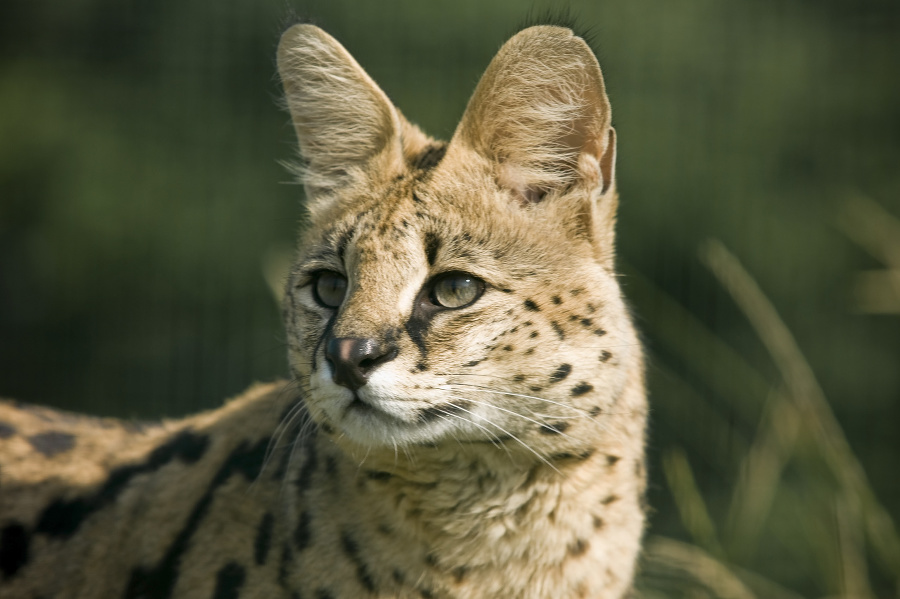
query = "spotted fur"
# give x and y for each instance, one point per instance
(493, 449)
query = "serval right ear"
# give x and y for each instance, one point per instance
(343, 120)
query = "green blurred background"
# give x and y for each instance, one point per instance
(142, 202)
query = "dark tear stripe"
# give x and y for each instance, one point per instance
(362, 571)
(263, 541)
(328, 327)
(14, 546)
(229, 581)
(6, 430)
(303, 532)
(62, 518)
(432, 246)
(416, 327)
(52, 443)
(159, 581)
(560, 373)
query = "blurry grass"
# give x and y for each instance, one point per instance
(878, 232)
(837, 521)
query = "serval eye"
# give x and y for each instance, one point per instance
(329, 289)
(457, 290)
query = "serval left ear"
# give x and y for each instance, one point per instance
(541, 117)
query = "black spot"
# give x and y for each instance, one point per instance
(530, 305)
(263, 541)
(587, 322)
(598, 522)
(432, 246)
(459, 573)
(14, 543)
(52, 442)
(535, 388)
(558, 329)
(554, 428)
(417, 199)
(579, 547)
(421, 366)
(595, 411)
(507, 348)
(430, 157)
(605, 356)
(599, 332)
(581, 388)
(63, 517)
(159, 581)
(533, 334)
(560, 373)
(342, 243)
(304, 477)
(577, 291)
(433, 412)
(529, 351)
(612, 459)
(303, 532)
(398, 576)
(472, 363)
(229, 581)
(378, 475)
(431, 560)
(591, 309)
(610, 499)
(505, 290)
(6, 430)
(519, 378)
(331, 466)
(556, 300)
(351, 549)
(573, 317)
(287, 558)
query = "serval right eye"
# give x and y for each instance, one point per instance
(329, 288)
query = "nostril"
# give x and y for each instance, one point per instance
(353, 359)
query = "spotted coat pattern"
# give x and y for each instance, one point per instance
(491, 449)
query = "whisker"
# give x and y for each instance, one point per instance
(484, 403)
(512, 436)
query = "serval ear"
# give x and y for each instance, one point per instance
(346, 127)
(540, 114)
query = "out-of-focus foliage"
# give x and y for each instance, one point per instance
(142, 207)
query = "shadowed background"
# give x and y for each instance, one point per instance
(142, 208)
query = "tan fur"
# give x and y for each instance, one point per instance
(497, 453)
